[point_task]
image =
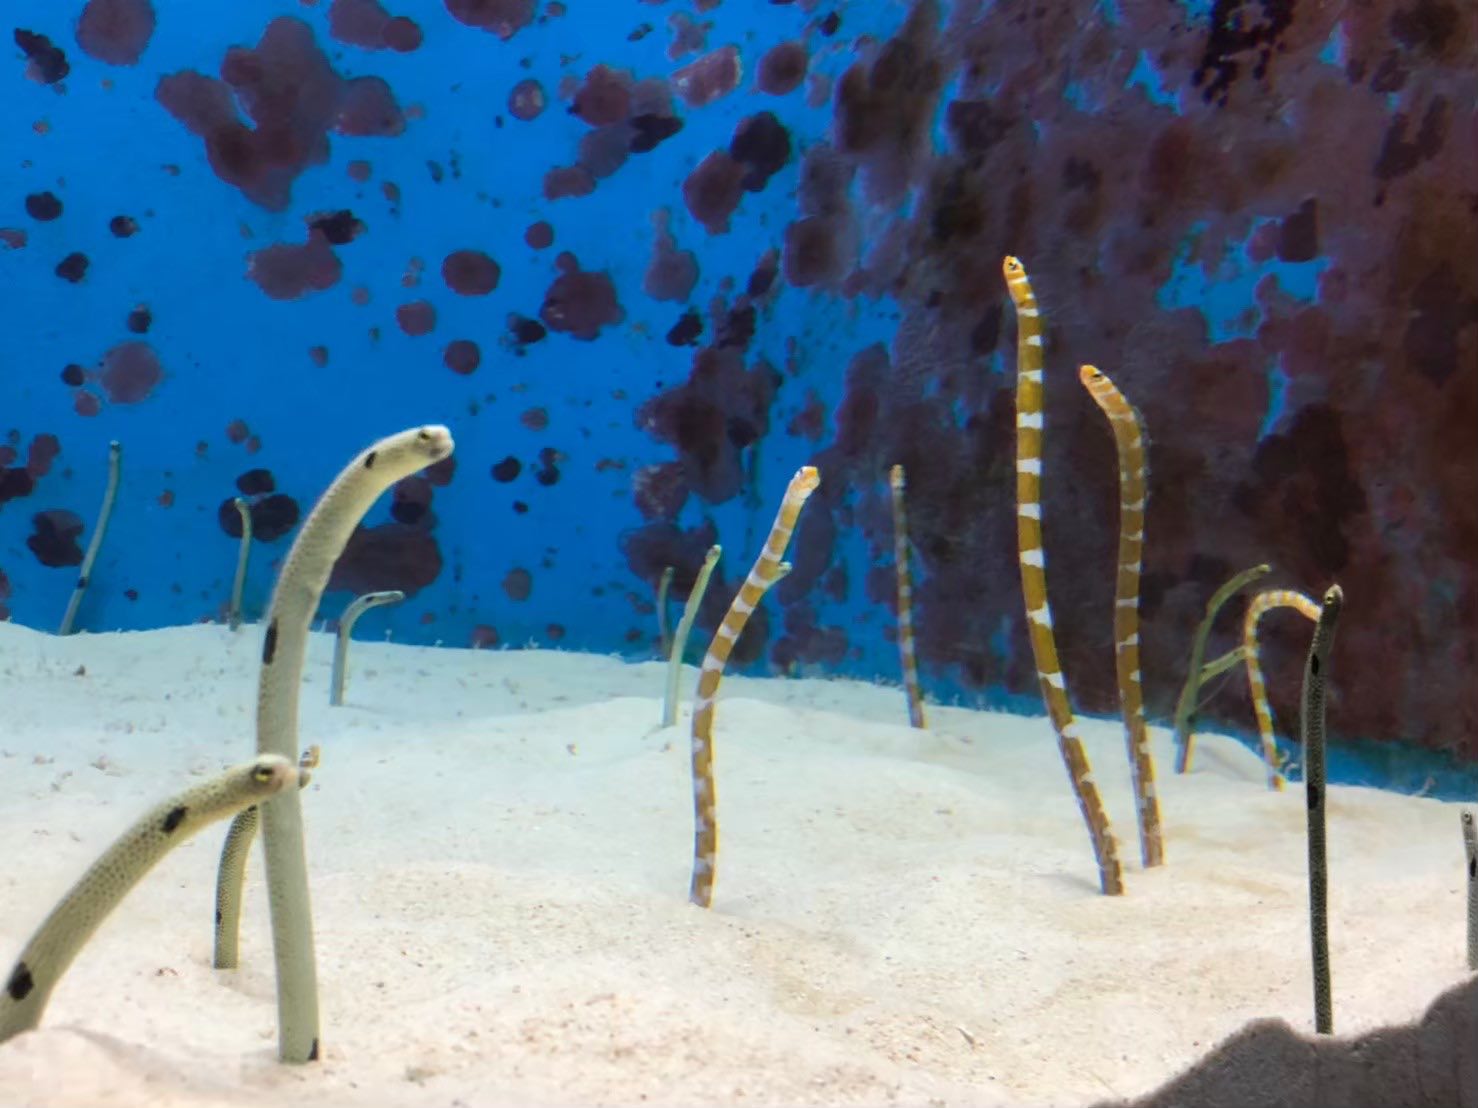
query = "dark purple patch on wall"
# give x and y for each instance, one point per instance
(130, 372)
(46, 63)
(115, 31)
(390, 556)
(53, 538)
(503, 18)
(470, 273)
(580, 302)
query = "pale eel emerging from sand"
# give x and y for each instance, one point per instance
(72, 922)
(1029, 427)
(300, 585)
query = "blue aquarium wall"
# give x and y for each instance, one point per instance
(645, 259)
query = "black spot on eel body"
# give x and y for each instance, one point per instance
(269, 644)
(1313, 797)
(174, 819)
(1314, 665)
(313, 1054)
(218, 915)
(369, 460)
(21, 983)
(82, 581)
(1473, 869)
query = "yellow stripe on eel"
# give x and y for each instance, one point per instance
(65, 931)
(906, 653)
(1266, 601)
(1133, 495)
(1029, 426)
(767, 570)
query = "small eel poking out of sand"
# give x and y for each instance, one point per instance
(72, 922)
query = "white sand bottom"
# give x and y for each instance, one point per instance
(500, 846)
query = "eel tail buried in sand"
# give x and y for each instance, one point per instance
(1128, 431)
(1311, 725)
(1265, 602)
(1196, 675)
(906, 652)
(357, 607)
(767, 570)
(684, 628)
(1029, 426)
(105, 513)
(243, 555)
(108, 880)
(300, 585)
(1470, 848)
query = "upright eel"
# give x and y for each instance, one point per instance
(1470, 849)
(108, 880)
(1185, 706)
(243, 555)
(1029, 426)
(684, 628)
(105, 513)
(356, 608)
(300, 585)
(1133, 495)
(768, 569)
(1264, 602)
(1311, 726)
(906, 653)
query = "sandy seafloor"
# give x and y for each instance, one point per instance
(500, 846)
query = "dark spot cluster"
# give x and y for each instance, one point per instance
(273, 514)
(366, 24)
(580, 302)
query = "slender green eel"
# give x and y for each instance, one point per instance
(768, 569)
(1470, 847)
(1185, 707)
(108, 880)
(1311, 719)
(907, 655)
(357, 607)
(1256, 686)
(300, 585)
(238, 585)
(105, 513)
(1029, 426)
(1128, 432)
(684, 628)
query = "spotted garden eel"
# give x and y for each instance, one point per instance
(108, 880)
(1266, 602)
(1128, 431)
(908, 657)
(105, 513)
(243, 555)
(300, 585)
(1311, 727)
(1029, 426)
(1197, 673)
(1470, 849)
(768, 569)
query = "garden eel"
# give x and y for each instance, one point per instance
(108, 880)
(1029, 426)
(1263, 602)
(1470, 847)
(295, 599)
(768, 569)
(105, 513)
(233, 619)
(684, 627)
(356, 608)
(1311, 720)
(906, 653)
(1196, 675)
(1128, 431)
(663, 584)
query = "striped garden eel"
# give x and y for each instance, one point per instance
(1128, 432)
(1470, 849)
(1197, 673)
(1311, 727)
(1264, 602)
(300, 585)
(108, 880)
(1029, 426)
(768, 569)
(906, 652)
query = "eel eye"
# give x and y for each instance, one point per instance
(262, 774)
